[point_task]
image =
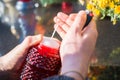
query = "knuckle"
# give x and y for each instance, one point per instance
(28, 39)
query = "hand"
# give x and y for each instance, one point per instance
(12, 61)
(78, 45)
(60, 21)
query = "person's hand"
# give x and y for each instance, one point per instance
(78, 45)
(12, 61)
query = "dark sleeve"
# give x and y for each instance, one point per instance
(61, 77)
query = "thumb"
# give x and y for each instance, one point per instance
(27, 43)
(31, 41)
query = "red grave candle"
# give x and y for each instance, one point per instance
(43, 60)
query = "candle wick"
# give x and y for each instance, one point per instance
(54, 32)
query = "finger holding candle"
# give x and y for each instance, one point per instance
(60, 31)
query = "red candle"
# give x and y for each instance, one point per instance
(43, 61)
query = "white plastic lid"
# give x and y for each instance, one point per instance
(50, 42)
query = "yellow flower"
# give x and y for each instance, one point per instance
(103, 3)
(90, 6)
(117, 9)
(111, 4)
(104, 8)
(96, 12)
(117, 1)
(94, 1)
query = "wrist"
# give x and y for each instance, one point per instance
(71, 63)
(70, 71)
(6, 74)
(74, 74)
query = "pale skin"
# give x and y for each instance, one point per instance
(13, 60)
(78, 44)
(74, 38)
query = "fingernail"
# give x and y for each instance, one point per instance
(56, 19)
(38, 37)
(61, 15)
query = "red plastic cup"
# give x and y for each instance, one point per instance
(43, 60)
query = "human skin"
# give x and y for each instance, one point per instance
(78, 44)
(10, 64)
(74, 49)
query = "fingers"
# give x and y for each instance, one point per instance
(62, 16)
(61, 24)
(60, 31)
(65, 18)
(64, 22)
(31, 41)
(71, 19)
(79, 21)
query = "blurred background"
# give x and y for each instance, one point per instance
(20, 18)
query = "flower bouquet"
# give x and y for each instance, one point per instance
(105, 8)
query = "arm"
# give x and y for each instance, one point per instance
(10, 64)
(77, 46)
